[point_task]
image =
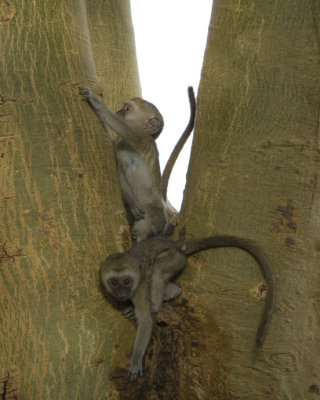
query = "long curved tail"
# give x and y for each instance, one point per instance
(178, 147)
(196, 245)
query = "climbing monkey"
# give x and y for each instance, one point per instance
(137, 125)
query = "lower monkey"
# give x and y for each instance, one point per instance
(144, 273)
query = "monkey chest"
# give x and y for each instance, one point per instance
(132, 166)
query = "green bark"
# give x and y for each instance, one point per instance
(104, 29)
(257, 147)
(60, 202)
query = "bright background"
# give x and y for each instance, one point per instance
(170, 41)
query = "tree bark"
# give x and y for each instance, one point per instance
(257, 147)
(61, 207)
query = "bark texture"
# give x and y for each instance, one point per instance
(61, 209)
(257, 147)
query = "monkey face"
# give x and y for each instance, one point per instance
(120, 275)
(121, 287)
(142, 116)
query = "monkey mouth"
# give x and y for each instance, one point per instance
(123, 298)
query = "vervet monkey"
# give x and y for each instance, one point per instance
(144, 273)
(137, 125)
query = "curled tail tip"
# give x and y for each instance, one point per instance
(260, 340)
(190, 91)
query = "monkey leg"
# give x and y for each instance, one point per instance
(172, 291)
(153, 223)
(166, 266)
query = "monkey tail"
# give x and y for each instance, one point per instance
(195, 245)
(178, 147)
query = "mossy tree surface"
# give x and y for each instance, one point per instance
(60, 202)
(257, 147)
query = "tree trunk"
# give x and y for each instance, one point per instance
(257, 147)
(61, 206)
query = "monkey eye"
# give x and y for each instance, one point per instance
(127, 281)
(114, 282)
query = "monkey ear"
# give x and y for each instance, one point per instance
(154, 127)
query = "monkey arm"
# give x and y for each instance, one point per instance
(166, 266)
(144, 320)
(110, 120)
(95, 104)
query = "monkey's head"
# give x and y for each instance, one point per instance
(141, 115)
(120, 275)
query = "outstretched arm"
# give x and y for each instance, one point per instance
(107, 118)
(143, 316)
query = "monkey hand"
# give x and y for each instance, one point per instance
(129, 312)
(136, 211)
(85, 92)
(134, 235)
(135, 369)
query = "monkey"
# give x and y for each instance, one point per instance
(138, 124)
(144, 275)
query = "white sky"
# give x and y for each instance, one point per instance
(170, 40)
